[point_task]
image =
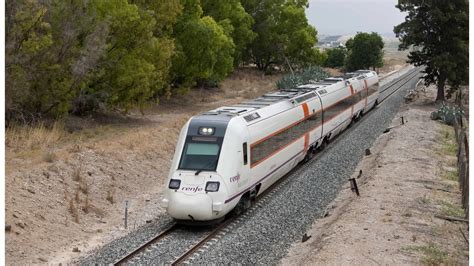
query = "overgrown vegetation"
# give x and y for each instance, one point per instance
(72, 57)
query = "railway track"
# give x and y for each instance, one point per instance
(397, 84)
(386, 92)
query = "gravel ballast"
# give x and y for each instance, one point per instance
(264, 235)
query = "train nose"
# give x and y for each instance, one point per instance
(190, 207)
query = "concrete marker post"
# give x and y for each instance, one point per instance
(126, 213)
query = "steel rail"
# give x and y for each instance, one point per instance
(150, 242)
(395, 81)
(406, 77)
(203, 241)
(404, 80)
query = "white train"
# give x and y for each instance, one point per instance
(226, 157)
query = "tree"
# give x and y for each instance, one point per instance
(284, 36)
(364, 51)
(231, 14)
(165, 12)
(204, 48)
(74, 56)
(335, 57)
(438, 32)
(135, 63)
(42, 48)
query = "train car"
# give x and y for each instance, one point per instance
(226, 157)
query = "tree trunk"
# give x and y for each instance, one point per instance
(440, 95)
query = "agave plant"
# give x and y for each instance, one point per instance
(308, 75)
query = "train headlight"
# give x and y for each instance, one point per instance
(212, 186)
(174, 184)
(206, 131)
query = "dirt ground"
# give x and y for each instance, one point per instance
(409, 180)
(66, 186)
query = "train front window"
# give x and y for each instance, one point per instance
(200, 155)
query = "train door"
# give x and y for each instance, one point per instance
(244, 162)
(245, 179)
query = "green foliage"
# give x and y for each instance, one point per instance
(316, 58)
(284, 37)
(364, 51)
(438, 31)
(232, 16)
(78, 56)
(336, 57)
(308, 75)
(165, 13)
(74, 56)
(204, 48)
(39, 57)
(135, 63)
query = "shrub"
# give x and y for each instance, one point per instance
(308, 75)
(448, 114)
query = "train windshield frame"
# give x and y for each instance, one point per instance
(200, 153)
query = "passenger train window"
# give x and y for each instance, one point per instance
(244, 148)
(200, 154)
(271, 145)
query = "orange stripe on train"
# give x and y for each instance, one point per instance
(305, 109)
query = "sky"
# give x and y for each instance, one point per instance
(343, 17)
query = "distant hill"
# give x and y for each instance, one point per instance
(325, 38)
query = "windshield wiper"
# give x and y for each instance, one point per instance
(205, 166)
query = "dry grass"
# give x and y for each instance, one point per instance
(77, 197)
(111, 195)
(39, 137)
(76, 174)
(72, 206)
(86, 206)
(49, 157)
(249, 84)
(432, 254)
(447, 149)
(84, 186)
(76, 148)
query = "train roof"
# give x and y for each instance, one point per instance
(285, 97)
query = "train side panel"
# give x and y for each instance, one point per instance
(234, 167)
(280, 142)
(337, 112)
(272, 154)
(360, 95)
(373, 91)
